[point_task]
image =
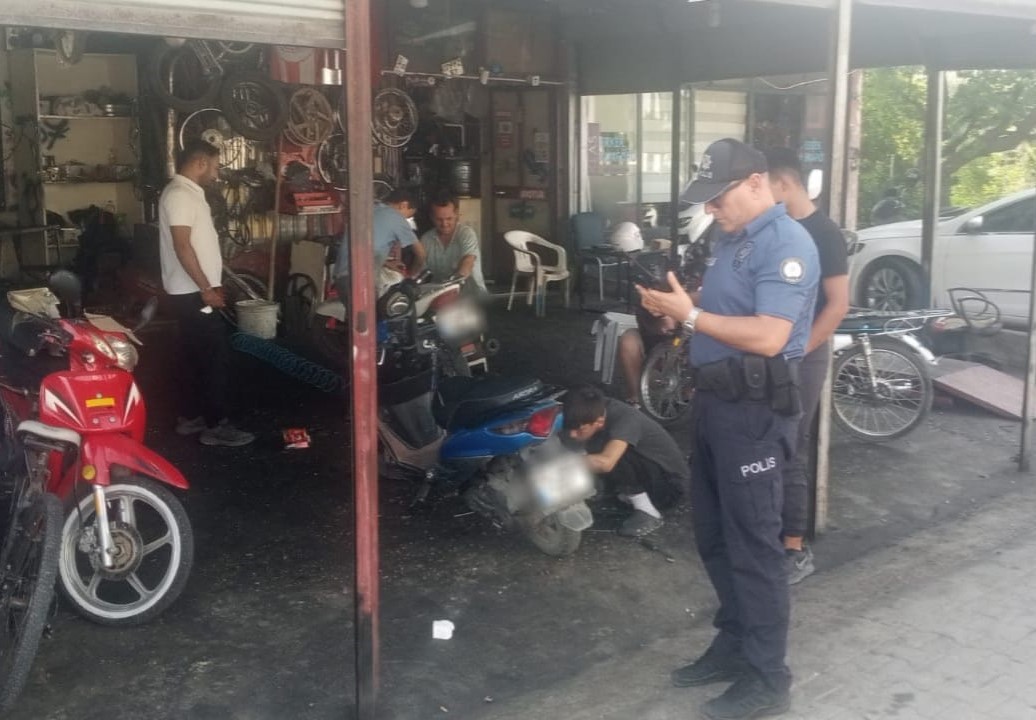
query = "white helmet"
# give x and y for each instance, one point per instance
(627, 238)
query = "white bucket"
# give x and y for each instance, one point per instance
(258, 317)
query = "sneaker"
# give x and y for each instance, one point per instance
(712, 667)
(194, 426)
(749, 697)
(226, 435)
(639, 524)
(800, 564)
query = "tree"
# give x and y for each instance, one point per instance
(989, 127)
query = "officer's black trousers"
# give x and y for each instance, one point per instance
(204, 359)
(736, 495)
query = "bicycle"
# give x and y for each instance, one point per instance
(882, 388)
(28, 562)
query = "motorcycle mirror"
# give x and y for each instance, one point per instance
(815, 183)
(68, 289)
(147, 313)
(424, 277)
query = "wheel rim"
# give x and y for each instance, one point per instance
(254, 105)
(887, 290)
(885, 408)
(149, 549)
(666, 387)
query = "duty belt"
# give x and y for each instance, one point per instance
(755, 378)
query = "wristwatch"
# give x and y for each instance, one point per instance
(692, 317)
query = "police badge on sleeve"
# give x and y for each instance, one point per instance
(793, 270)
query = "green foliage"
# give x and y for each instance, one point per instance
(988, 130)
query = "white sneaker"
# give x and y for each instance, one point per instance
(185, 426)
(226, 435)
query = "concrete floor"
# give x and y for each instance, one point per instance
(264, 628)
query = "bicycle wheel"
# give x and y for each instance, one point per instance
(191, 88)
(888, 403)
(253, 105)
(26, 590)
(666, 386)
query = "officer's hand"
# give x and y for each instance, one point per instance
(675, 303)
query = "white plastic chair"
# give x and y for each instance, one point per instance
(530, 263)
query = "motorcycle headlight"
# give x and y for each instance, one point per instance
(125, 353)
(396, 304)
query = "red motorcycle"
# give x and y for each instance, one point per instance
(126, 542)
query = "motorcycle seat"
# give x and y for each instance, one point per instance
(465, 401)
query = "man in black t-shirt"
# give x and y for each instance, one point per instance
(832, 304)
(631, 451)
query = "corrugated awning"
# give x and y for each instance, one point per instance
(313, 23)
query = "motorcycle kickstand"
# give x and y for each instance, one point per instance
(425, 490)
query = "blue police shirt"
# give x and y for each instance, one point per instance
(389, 227)
(770, 267)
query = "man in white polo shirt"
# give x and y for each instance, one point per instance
(192, 271)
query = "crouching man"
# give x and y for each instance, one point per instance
(631, 452)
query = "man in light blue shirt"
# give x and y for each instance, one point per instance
(452, 249)
(392, 232)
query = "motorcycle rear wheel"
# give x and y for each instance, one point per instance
(553, 538)
(154, 552)
(666, 387)
(26, 591)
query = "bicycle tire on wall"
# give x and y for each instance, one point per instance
(158, 80)
(235, 109)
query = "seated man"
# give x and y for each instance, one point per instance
(452, 249)
(392, 231)
(630, 451)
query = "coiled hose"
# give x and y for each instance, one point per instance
(287, 362)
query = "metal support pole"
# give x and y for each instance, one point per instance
(838, 82)
(1029, 400)
(363, 324)
(934, 108)
(674, 173)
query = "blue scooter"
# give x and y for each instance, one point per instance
(495, 440)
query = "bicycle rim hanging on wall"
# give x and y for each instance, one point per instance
(393, 118)
(176, 77)
(254, 105)
(310, 117)
(333, 161)
(212, 126)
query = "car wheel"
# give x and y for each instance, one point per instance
(891, 284)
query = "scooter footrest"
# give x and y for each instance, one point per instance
(48, 432)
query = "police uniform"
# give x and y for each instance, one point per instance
(742, 442)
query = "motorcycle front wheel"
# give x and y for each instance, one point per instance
(26, 590)
(153, 554)
(884, 399)
(553, 538)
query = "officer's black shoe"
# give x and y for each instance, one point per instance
(749, 697)
(639, 524)
(712, 667)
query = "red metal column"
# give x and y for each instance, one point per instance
(364, 386)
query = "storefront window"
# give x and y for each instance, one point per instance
(610, 124)
(629, 156)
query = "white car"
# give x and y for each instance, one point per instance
(987, 249)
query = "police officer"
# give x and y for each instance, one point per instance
(751, 322)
